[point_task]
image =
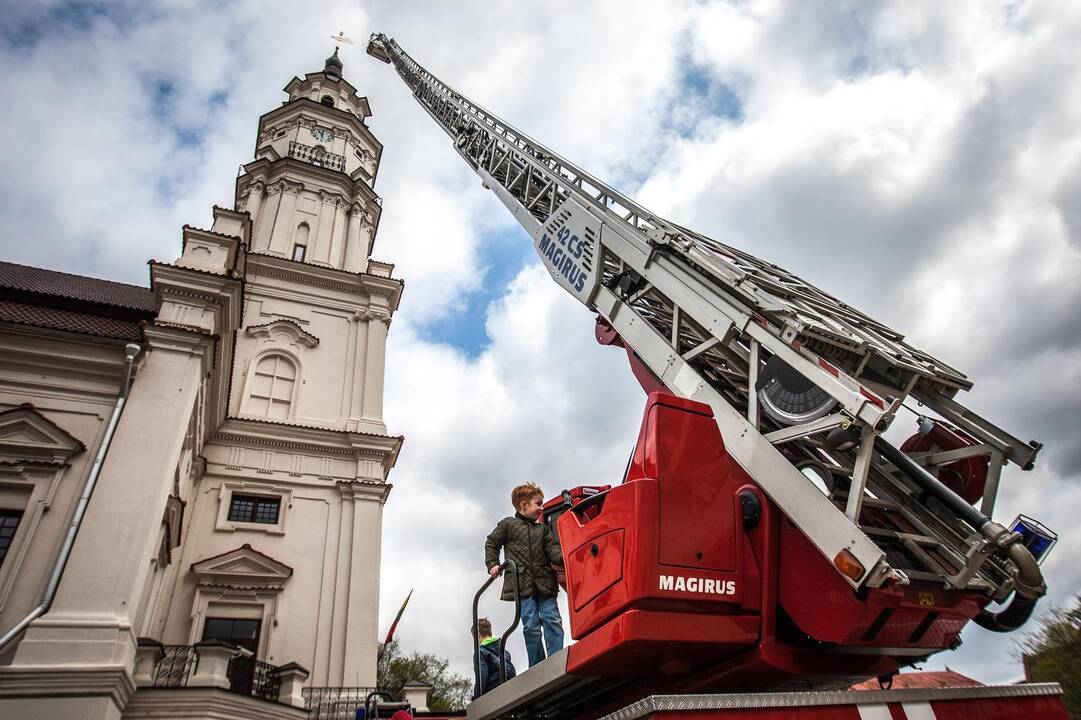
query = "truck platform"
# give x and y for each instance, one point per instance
(1024, 701)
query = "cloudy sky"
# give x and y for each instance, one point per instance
(921, 160)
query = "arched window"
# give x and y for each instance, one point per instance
(271, 386)
(300, 242)
(327, 100)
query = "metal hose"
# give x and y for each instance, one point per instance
(1028, 579)
(1028, 588)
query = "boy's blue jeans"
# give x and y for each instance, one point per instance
(537, 613)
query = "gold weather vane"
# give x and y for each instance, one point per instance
(339, 39)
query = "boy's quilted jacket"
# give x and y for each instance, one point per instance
(532, 548)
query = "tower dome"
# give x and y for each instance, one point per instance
(333, 67)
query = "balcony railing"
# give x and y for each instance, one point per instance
(176, 666)
(316, 155)
(335, 703)
(246, 675)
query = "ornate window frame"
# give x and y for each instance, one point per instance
(282, 337)
(249, 382)
(240, 583)
(283, 494)
(34, 455)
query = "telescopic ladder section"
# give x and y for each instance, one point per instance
(716, 325)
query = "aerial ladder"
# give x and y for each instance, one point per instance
(766, 534)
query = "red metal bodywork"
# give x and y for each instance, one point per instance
(662, 576)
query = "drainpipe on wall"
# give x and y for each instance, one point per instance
(131, 351)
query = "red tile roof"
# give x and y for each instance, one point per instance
(69, 320)
(76, 287)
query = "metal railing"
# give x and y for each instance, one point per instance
(335, 703)
(513, 568)
(317, 155)
(176, 666)
(248, 676)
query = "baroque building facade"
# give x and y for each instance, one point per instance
(234, 508)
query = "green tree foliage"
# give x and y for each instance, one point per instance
(450, 691)
(1052, 653)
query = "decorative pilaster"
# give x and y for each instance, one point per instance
(337, 242)
(342, 582)
(354, 251)
(253, 201)
(282, 234)
(267, 213)
(360, 380)
(378, 321)
(367, 235)
(364, 501)
(321, 252)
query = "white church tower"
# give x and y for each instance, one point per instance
(237, 516)
(296, 476)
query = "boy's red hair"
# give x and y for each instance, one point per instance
(525, 493)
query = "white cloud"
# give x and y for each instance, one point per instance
(544, 403)
(921, 161)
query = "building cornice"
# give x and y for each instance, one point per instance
(341, 81)
(303, 104)
(269, 172)
(114, 682)
(193, 282)
(89, 366)
(193, 702)
(365, 490)
(306, 438)
(169, 336)
(363, 283)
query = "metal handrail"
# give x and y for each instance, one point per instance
(507, 564)
(371, 703)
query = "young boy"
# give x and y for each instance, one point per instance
(489, 657)
(533, 549)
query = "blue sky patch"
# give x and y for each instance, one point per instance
(506, 253)
(701, 96)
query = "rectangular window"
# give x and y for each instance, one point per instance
(9, 520)
(254, 509)
(244, 633)
(298, 252)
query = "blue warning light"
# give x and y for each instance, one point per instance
(1035, 536)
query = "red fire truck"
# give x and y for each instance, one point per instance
(767, 544)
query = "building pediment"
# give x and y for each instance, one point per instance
(242, 567)
(28, 436)
(285, 331)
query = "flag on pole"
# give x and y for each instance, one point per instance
(394, 625)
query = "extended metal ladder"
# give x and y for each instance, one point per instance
(705, 318)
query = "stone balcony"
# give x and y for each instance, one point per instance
(317, 155)
(204, 680)
(214, 679)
